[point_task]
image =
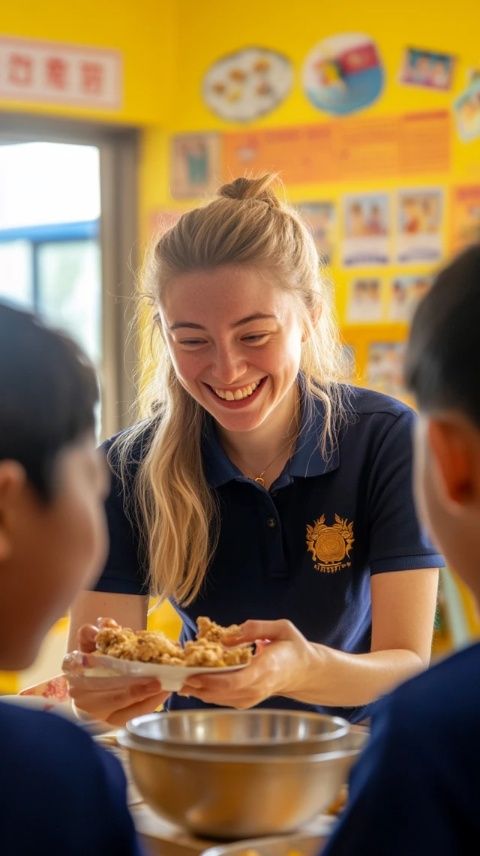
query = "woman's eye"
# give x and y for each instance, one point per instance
(191, 343)
(254, 337)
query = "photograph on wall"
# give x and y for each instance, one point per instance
(366, 229)
(465, 212)
(195, 160)
(427, 68)
(467, 111)
(343, 74)
(246, 84)
(419, 224)
(384, 371)
(364, 303)
(320, 218)
(405, 294)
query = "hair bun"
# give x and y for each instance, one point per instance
(252, 188)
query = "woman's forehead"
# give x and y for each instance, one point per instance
(235, 293)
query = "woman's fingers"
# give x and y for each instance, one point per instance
(86, 636)
(115, 699)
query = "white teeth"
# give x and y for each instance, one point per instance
(238, 394)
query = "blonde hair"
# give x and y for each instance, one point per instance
(173, 505)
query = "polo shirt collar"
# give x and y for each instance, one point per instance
(307, 459)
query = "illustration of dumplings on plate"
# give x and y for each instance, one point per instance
(248, 83)
(343, 73)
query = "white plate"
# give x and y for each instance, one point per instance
(172, 678)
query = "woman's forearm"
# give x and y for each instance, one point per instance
(335, 678)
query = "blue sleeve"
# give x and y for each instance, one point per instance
(113, 799)
(124, 571)
(61, 792)
(397, 542)
(399, 803)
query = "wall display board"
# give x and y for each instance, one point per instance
(351, 149)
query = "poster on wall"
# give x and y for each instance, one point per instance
(343, 74)
(427, 68)
(54, 72)
(467, 111)
(384, 371)
(366, 229)
(246, 84)
(320, 218)
(364, 300)
(405, 293)
(465, 207)
(195, 162)
(419, 225)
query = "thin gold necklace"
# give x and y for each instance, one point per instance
(260, 478)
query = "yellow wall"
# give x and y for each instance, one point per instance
(213, 29)
(143, 31)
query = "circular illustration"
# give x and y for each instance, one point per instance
(343, 73)
(248, 83)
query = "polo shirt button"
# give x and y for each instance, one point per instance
(271, 522)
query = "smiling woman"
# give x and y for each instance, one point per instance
(252, 442)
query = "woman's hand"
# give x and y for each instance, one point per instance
(109, 699)
(282, 658)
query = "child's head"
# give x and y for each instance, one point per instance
(443, 372)
(52, 482)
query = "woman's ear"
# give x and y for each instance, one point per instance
(456, 451)
(12, 483)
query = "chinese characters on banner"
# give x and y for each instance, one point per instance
(48, 71)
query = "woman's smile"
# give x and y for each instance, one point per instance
(240, 396)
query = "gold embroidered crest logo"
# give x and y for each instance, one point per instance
(330, 545)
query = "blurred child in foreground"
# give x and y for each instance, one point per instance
(416, 787)
(61, 793)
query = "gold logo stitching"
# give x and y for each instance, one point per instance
(330, 545)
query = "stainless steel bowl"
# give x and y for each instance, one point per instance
(232, 796)
(259, 730)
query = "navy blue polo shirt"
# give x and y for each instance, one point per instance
(305, 549)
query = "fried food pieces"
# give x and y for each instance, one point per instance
(147, 646)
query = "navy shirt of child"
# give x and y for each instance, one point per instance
(415, 789)
(305, 549)
(61, 793)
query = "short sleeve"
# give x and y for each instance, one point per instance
(397, 541)
(125, 570)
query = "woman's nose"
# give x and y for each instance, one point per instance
(229, 366)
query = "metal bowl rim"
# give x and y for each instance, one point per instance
(127, 742)
(342, 727)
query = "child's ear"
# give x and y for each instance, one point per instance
(12, 483)
(457, 454)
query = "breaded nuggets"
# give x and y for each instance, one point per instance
(148, 646)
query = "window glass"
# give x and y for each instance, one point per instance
(16, 272)
(48, 183)
(69, 290)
